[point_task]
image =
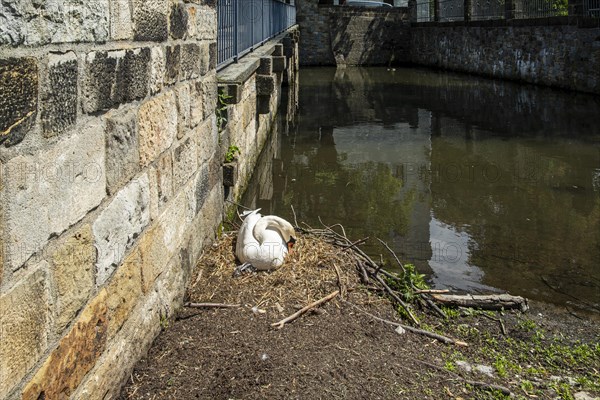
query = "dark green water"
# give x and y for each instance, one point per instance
(483, 185)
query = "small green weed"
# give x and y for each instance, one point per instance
(232, 153)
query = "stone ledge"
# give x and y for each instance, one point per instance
(241, 71)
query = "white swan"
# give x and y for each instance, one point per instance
(263, 242)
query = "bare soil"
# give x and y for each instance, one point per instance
(339, 352)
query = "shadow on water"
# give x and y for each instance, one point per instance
(484, 185)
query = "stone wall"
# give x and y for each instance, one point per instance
(254, 86)
(340, 35)
(110, 180)
(559, 55)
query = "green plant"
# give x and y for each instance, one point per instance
(222, 110)
(164, 323)
(232, 151)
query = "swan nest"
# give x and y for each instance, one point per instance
(308, 274)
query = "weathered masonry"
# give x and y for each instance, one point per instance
(554, 48)
(110, 179)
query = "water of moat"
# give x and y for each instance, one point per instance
(484, 185)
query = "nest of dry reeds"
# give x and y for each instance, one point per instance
(312, 270)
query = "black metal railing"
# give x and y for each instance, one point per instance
(245, 24)
(477, 10)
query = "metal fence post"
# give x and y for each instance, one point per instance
(436, 10)
(467, 9)
(509, 9)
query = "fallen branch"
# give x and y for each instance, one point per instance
(485, 302)
(303, 310)
(431, 291)
(397, 299)
(211, 305)
(443, 339)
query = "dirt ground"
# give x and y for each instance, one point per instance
(339, 352)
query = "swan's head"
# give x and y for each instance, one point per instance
(289, 235)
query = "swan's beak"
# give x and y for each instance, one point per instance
(290, 244)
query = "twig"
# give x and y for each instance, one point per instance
(431, 291)
(393, 254)
(431, 304)
(499, 320)
(211, 305)
(443, 339)
(294, 212)
(340, 282)
(353, 245)
(397, 298)
(363, 273)
(303, 310)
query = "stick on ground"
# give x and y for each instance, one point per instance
(443, 339)
(211, 305)
(302, 311)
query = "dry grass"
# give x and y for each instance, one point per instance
(308, 274)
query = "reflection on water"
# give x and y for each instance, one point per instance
(484, 185)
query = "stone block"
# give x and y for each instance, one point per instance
(229, 174)
(157, 125)
(35, 23)
(278, 50)
(122, 153)
(190, 61)
(132, 76)
(265, 85)
(24, 319)
(123, 292)
(150, 20)
(163, 241)
(203, 187)
(119, 225)
(196, 103)
(121, 25)
(74, 357)
(182, 93)
(192, 22)
(164, 178)
(61, 183)
(279, 64)
(99, 81)
(212, 54)
(74, 275)
(185, 162)
(204, 58)
(173, 62)
(263, 104)
(206, 23)
(234, 91)
(207, 137)
(178, 21)
(153, 257)
(265, 67)
(158, 70)
(115, 77)
(18, 98)
(209, 94)
(161, 184)
(59, 97)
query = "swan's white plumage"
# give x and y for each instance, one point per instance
(262, 240)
